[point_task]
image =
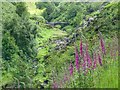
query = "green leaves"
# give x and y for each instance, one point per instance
(18, 48)
(10, 47)
(6, 78)
(21, 8)
(30, 56)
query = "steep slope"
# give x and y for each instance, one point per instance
(104, 20)
(36, 51)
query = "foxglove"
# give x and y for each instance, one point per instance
(71, 69)
(55, 84)
(102, 46)
(95, 61)
(88, 58)
(99, 59)
(76, 59)
(81, 48)
(84, 62)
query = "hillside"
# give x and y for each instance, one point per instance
(59, 45)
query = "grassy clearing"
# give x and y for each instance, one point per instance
(32, 8)
(46, 35)
(108, 77)
(6, 79)
(51, 33)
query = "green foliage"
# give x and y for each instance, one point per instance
(18, 47)
(68, 29)
(35, 52)
(109, 77)
(9, 48)
(37, 18)
(18, 27)
(49, 8)
(20, 8)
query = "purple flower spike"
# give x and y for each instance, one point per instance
(88, 58)
(102, 46)
(55, 84)
(89, 61)
(65, 78)
(99, 59)
(81, 48)
(76, 59)
(71, 69)
(95, 61)
(84, 62)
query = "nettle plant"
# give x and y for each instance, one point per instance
(80, 73)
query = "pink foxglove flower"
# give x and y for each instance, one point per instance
(81, 48)
(102, 45)
(84, 65)
(95, 61)
(61, 84)
(76, 59)
(55, 84)
(65, 78)
(89, 61)
(99, 59)
(111, 52)
(88, 58)
(85, 70)
(71, 69)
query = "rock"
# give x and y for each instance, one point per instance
(91, 10)
(46, 56)
(41, 47)
(46, 81)
(57, 48)
(41, 87)
(66, 39)
(57, 23)
(91, 19)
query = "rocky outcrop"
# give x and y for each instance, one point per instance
(57, 23)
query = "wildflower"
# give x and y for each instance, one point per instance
(65, 78)
(88, 57)
(102, 45)
(76, 59)
(61, 84)
(81, 51)
(99, 59)
(71, 69)
(89, 61)
(55, 84)
(111, 53)
(85, 70)
(84, 62)
(95, 61)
